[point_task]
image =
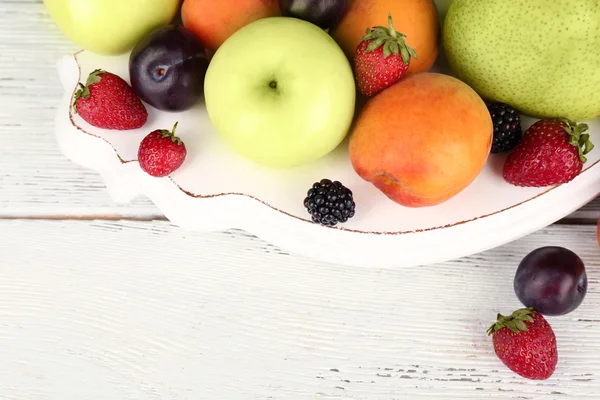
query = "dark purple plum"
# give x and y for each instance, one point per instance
(323, 13)
(167, 68)
(552, 280)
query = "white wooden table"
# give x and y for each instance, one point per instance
(100, 301)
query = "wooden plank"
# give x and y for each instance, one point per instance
(131, 310)
(35, 179)
(588, 214)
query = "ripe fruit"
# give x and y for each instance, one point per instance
(417, 19)
(161, 152)
(214, 21)
(382, 58)
(539, 56)
(551, 152)
(507, 127)
(281, 92)
(422, 140)
(108, 102)
(110, 26)
(552, 280)
(167, 68)
(329, 202)
(525, 343)
(323, 13)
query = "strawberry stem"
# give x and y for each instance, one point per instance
(391, 23)
(83, 92)
(515, 322)
(165, 133)
(94, 76)
(391, 40)
(578, 138)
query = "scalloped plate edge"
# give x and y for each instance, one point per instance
(125, 181)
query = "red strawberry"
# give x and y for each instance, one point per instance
(381, 59)
(161, 152)
(108, 102)
(525, 343)
(551, 152)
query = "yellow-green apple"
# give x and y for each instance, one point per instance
(281, 92)
(110, 26)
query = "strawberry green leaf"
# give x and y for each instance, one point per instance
(94, 77)
(412, 52)
(82, 92)
(515, 322)
(165, 133)
(520, 325)
(386, 50)
(578, 138)
(405, 55)
(375, 44)
(392, 40)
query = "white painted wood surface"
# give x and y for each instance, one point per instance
(99, 309)
(138, 310)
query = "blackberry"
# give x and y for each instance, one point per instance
(507, 127)
(329, 203)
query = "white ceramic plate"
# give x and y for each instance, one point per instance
(216, 189)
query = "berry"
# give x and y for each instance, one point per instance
(108, 102)
(525, 343)
(382, 59)
(551, 152)
(329, 203)
(507, 127)
(552, 280)
(161, 152)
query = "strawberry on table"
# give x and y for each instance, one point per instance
(525, 343)
(381, 59)
(551, 152)
(161, 152)
(108, 102)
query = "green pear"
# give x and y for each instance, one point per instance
(540, 56)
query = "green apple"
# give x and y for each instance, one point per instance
(110, 26)
(542, 57)
(281, 92)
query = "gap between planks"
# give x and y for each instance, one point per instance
(157, 217)
(88, 217)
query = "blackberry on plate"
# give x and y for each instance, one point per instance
(329, 203)
(507, 127)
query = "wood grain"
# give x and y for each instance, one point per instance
(35, 179)
(110, 304)
(138, 310)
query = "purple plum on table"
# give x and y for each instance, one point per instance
(552, 280)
